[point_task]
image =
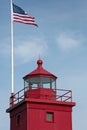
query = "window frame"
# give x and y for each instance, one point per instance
(50, 114)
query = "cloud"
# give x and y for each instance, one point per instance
(28, 50)
(68, 41)
(25, 50)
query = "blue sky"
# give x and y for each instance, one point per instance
(61, 42)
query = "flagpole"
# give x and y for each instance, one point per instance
(12, 50)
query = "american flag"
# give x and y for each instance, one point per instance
(19, 15)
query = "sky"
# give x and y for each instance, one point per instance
(61, 42)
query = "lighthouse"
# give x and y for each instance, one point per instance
(40, 105)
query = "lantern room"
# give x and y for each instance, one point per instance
(40, 81)
(40, 78)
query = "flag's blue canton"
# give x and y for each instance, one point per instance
(18, 10)
(19, 15)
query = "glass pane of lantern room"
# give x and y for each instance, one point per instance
(26, 83)
(54, 84)
(34, 82)
(46, 82)
(49, 82)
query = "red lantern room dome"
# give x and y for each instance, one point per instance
(40, 71)
(39, 77)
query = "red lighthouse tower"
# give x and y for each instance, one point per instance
(40, 105)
